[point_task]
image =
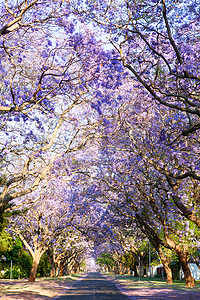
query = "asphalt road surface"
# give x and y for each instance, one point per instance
(93, 287)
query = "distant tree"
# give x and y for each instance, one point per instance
(65, 251)
(106, 260)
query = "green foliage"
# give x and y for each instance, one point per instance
(5, 243)
(15, 251)
(11, 249)
(106, 259)
(175, 266)
(44, 266)
(83, 265)
(15, 273)
(2, 179)
(75, 162)
(4, 220)
(25, 263)
(128, 259)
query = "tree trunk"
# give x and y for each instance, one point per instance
(186, 269)
(116, 269)
(70, 268)
(135, 270)
(51, 260)
(53, 267)
(141, 270)
(36, 259)
(120, 269)
(53, 271)
(166, 265)
(182, 255)
(58, 268)
(66, 270)
(76, 268)
(61, 269)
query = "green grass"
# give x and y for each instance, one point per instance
(146, 282)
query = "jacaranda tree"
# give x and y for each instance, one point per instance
(158, 42)
(52, 77)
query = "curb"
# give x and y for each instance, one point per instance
(122, 288)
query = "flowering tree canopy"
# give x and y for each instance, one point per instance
(103, 96)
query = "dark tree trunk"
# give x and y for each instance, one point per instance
(61, 269)
(135, 270)
(50, 256)
(53, 271)
(141, 268)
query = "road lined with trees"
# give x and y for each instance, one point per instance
(99, 140)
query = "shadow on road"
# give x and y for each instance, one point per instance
(93, 287)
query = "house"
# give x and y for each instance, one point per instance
(194, 270)
(159, 270)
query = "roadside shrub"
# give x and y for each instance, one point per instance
(15, 273)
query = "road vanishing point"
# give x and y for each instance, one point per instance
(93, 287)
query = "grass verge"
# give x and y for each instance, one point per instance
(145, 282)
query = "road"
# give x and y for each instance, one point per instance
(93, 287)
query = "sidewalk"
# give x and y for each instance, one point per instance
(41, 289)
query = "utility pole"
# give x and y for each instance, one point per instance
(139, 268)
(149, 259)
(11, 270)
